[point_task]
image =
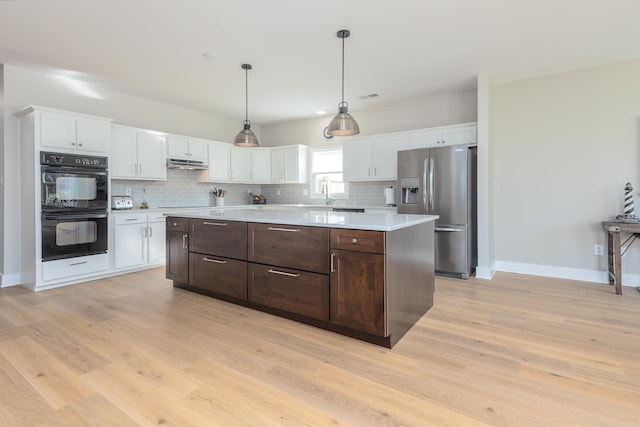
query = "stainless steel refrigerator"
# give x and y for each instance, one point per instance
(442, 181)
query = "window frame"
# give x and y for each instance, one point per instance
(312, 193)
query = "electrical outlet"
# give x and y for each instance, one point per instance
(127, 191)
(598, 250)
(278, 192)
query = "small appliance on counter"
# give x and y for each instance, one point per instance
(258, 199)
(121, 202)
(390, 196)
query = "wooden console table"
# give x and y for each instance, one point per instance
(614, 247)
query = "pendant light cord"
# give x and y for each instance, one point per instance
(246, 95)
(342, 71)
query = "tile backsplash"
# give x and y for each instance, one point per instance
(361, 194)
(182, 188)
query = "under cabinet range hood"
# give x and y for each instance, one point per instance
(186, 164)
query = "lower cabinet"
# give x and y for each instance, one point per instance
(138, 239)
(177, 255)
(294, 291)
(357, 291)
(220, 275)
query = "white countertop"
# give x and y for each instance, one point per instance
(379, 221)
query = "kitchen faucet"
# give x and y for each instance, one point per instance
(325, 190)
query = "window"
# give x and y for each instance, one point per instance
(326, 167)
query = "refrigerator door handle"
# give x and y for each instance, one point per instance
(424, 187)
(447, 229)
(431, 184)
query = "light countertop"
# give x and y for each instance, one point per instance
(274, 214)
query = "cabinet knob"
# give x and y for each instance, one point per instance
(80, 144)
(354, 241)
(175, 224)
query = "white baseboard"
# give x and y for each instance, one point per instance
(485, 273)
(7, 280)
(596, 276)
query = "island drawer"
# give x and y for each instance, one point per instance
(216, 274)
(177, 224)
(289, 290)
(291, 246)
(358, 240)
(218, 237)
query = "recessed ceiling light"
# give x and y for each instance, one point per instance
(320, 112)
(210, 56)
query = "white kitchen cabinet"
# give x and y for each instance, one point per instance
(156, 238)
(219, 155)
(447, 135)
(289, 164)
(227, 163)
(240, 165)
(137, 154)
(138, 240)
(261, 165)
(185, 148)
(372, 158)
(73, 133)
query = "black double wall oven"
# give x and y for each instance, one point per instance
(74, 196)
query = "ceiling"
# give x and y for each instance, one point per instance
(399, 49)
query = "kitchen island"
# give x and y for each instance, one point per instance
(366, 275)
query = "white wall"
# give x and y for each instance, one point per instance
(563, 148)
(486, 253)
(446, 108)
(23, 87)
(2, 162)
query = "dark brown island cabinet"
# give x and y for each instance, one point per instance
(367, 284)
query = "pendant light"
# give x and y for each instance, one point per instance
(246, 137)
(343, 124)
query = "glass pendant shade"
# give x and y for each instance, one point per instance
(246, 137)
(343, 124)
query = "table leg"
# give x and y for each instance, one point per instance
(610, 265)
(617, 263)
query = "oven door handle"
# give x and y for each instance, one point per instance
(72, 170)
(88, 215)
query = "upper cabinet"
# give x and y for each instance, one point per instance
(372, 158)
(137, 154)
(219, 169)
(375, 158)
(289, 164)
(449, 135)
(185, 148)
(261, 165)
(240, 162)
(69, 132)
(227, 163)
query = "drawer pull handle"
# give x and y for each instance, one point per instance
(184, 241)
(354, 241)
(132, 219)
(282, 273)
(333, 255)
(217, 261)
(78, 263)
(221, 224)
(294, 230)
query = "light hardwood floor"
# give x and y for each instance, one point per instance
(132, 350)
